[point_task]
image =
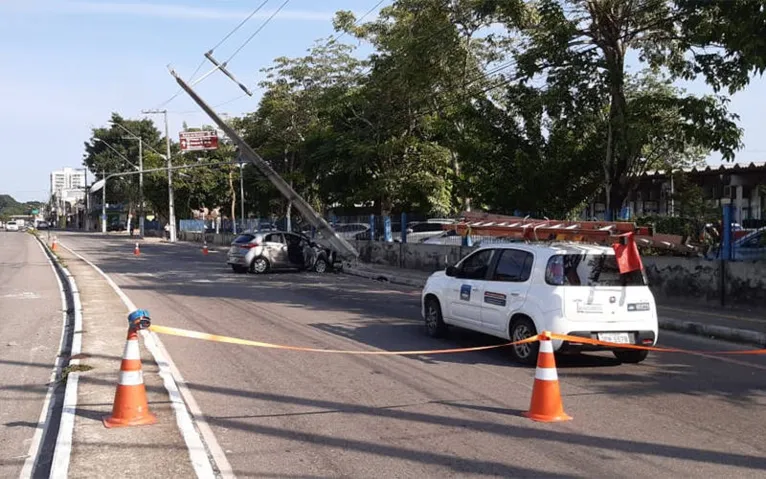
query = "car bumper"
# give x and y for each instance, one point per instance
(236, 260)
(637, 338)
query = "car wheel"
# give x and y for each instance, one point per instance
(630, 357)
(321, 265)
(238, 269)
(259, 265)
(526, 353)
(435, 325)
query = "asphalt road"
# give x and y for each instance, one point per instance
(30, 331)
(294, 414)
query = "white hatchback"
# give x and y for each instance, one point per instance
(514, 291)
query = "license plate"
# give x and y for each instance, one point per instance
(617, 338)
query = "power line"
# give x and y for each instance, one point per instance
(250, 38)
(359, 19)
(239, 26)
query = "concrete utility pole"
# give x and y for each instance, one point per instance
(171, 204)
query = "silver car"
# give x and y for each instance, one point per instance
(261, 252)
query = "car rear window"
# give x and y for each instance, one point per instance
(244, 239)
(589, 270)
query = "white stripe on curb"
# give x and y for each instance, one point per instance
(131, 350)
(62, 451)
(204, 450)
(546, 374)
(131, 378)
(48, 404)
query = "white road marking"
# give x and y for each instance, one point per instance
(22, 295)
(45, 415)
(202, 459)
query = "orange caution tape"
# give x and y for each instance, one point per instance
(246, 342)
(596, 342)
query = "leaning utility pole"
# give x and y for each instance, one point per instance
(171, 205)
(342, 246)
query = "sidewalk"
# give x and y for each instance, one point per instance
(702, 320)
(158, 450)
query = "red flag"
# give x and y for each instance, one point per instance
(626, 253)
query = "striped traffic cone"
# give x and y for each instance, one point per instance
(130, 405)
(54, 244)
(204, 248)
(546, 405)
(137, 250)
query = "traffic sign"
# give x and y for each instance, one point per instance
(35, 211)
(198, 140)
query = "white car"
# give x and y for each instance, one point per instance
(514, 291)
(11, 226)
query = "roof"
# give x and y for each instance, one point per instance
(722, 168)
(554, 248)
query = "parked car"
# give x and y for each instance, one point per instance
(261, 252)
(12, 226)
(43, 225)
(514, 291)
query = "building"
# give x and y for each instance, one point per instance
(68, 179)
(68, 194)
(743, 184)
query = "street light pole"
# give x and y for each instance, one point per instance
(140, 177)
(141, 186)
(171, 203)
(242, 195)
(103, 204)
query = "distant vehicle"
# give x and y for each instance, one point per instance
(43, 225)
(261, 252)
(12, 226)
(515, 291)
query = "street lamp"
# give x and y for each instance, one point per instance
(140, 176)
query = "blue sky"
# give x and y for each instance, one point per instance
(68, 64)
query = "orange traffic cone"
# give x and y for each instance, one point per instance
(130, 406)
(137, 250)
(204, 248)
(546, 403)
(54, 244)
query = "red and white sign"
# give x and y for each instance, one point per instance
(198, 140)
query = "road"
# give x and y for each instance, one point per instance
(294, 414)
(30, 332)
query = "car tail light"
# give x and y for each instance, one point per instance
(250, 245)
(647, 341)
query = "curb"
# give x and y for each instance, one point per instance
(743, 336)
(63, 445)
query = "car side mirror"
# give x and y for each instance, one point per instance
(451, 271)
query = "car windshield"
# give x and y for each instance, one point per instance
(589, 270)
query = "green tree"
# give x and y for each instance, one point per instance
(561, 39)
(103, 160)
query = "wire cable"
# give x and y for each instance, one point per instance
(247, 19)
(250, 38)
(359, 19)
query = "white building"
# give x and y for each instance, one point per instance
(67, 191)
(67, 179)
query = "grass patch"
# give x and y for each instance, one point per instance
(73, 368)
